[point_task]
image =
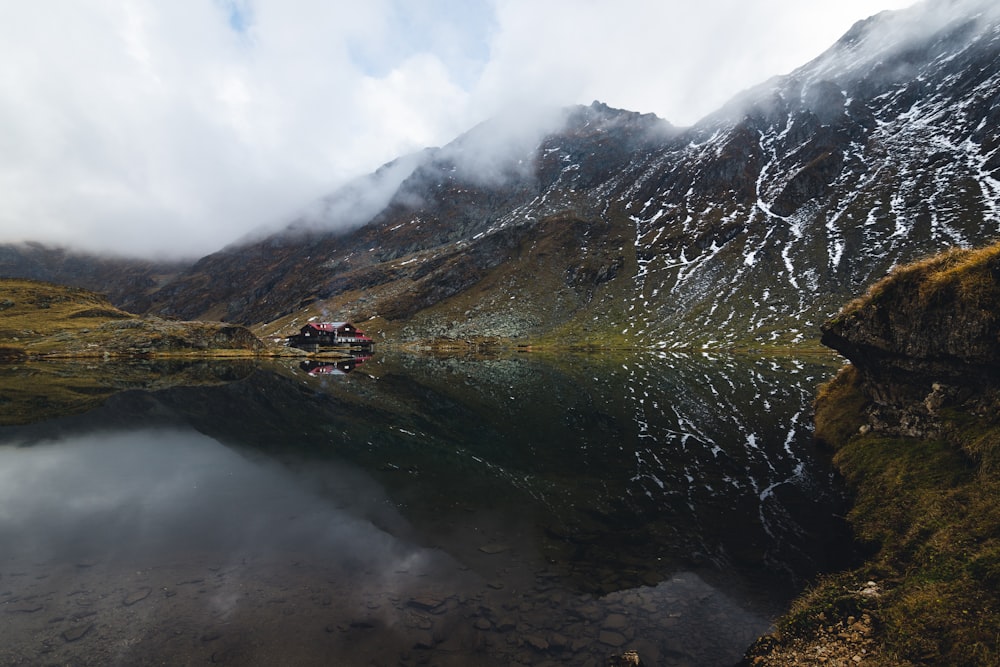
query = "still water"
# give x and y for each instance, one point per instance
(407, 510)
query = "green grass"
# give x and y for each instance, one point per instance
(928, 508)
(31, 308)
(930, 511)
(39, 319)
(843, 408)
(963, 274)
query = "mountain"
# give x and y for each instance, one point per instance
(613, 227)
(457, 235)
(126, 282)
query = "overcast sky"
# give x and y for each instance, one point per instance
(155, 128)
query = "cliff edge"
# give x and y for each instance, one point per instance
(915, 423)
(925, 338)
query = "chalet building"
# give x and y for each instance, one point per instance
(317, 335)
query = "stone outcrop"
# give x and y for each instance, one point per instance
(915, 424)
(925, 338)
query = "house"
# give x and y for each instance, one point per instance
(316, 335)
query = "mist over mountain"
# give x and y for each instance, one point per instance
(126, 282)
(609, 226)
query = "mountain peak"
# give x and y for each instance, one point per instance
(897, 43)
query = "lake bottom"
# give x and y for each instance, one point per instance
(431, 611)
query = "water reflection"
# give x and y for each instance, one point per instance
(138, 493)
(456, 511)
(333, 366)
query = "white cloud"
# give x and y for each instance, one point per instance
(417, 99)
(174, 127)
(678, 60)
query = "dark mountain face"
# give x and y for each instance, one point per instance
(128, 283)
(450, 232)
(750, 227)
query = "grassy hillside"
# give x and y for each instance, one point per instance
(71, 328)
(39, 319)
(543, 292)
(915, 422)
(34, 313)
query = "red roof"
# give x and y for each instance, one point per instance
(327, 326)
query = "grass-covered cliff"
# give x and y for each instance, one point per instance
(915, 422)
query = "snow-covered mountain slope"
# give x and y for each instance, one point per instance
(812, 185)
(604, 226)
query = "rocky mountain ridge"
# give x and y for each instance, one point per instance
(616, 228)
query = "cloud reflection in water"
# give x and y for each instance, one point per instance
(143, 492)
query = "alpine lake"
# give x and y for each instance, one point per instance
(410, 510)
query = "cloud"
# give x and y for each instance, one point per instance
(147, 127)
(681, 61)
(355, 203)
(174, 128)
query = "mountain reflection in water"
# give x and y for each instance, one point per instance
(420, 510)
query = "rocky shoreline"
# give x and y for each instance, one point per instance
(915, 422)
